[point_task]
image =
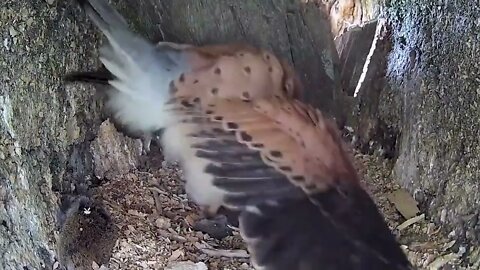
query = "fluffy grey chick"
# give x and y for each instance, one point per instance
(87, 233)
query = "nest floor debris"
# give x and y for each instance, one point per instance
(155, 220)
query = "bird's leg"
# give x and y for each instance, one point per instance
(207, 212)
(146, 141)
(213, 224)
(216, 213)
(231, 215)
(158, 140)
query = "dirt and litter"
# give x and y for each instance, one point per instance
(159, 226)
(156, 221)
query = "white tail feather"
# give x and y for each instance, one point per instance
(199, 185)
(143, 71)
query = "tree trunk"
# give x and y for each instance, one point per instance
(426, 114)
(433, 79)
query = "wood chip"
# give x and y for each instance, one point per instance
(187, 266)
(155, 240)
(441, 261)
(136, 213)
(163, 223)
(410, 222)
(238, 253)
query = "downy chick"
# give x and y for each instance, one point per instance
(87, 233)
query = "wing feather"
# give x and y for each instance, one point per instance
(284, 165)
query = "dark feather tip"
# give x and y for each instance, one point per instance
(82, 3)
(98, 77)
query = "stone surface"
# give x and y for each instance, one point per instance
(423, 109)
(114, 154)
(44, 130)
(434, 83)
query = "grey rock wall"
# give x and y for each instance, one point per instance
(44, 130)
(427, 109)
(434, 79)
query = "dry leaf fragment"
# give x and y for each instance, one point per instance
(404, 203)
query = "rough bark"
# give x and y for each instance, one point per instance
(434, 79)
(48, 131)
(428, 110)
(44, 130)
(297, 32)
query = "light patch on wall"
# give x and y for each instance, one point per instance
(22, 177)
(6, 114)
(378, 33)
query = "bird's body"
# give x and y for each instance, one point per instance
(229, 114)
(87, 233)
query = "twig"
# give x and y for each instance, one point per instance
(410, 222)
(237, 253)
